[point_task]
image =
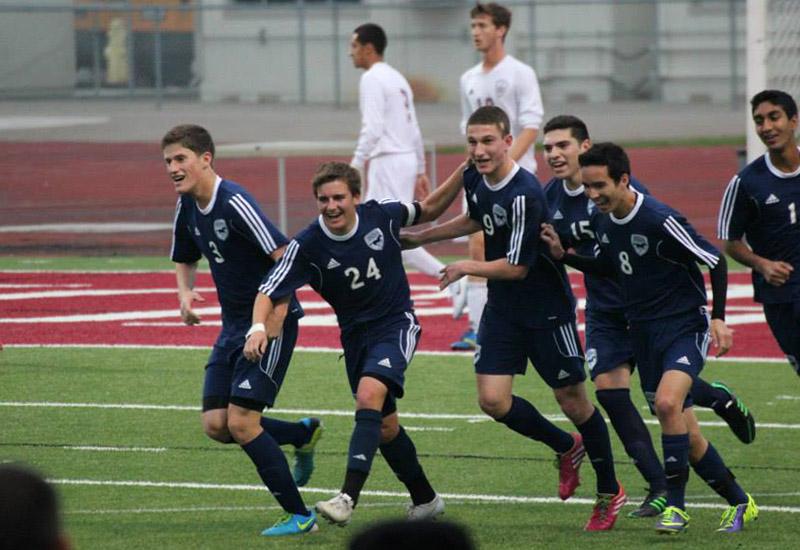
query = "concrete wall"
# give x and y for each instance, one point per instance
(37, 49)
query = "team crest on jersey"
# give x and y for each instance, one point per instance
(640, 244)
(374, 239)
(590, 207)
(221, 229)
(196, 231)
(591, 358)
(500, 215)
(500, 87)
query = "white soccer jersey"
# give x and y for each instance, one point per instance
(388, 120)
(510, 85)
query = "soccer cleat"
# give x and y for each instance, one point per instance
(673, 520)
(606, 510)
(466, 342)
(653, 505)
(458, 293)
(293, 524)
(736, 414)
(428, 510)
(735, 517)
(337, 510)
(568, 465)
(304, 456)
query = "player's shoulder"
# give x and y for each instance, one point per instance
(639, 186)
(472, 71)
(755, 172)
(656, 211)
(553, 187)
(527, 182)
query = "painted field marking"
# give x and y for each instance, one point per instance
(334, 412)
(467, 497)
(192, 509)
(110, 227)
(114, 449)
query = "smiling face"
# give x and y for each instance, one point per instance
(561, 151)
(488, 149)
(604, 192)
(485, 34)
(337, 206)
(188, 170)
(773, 127)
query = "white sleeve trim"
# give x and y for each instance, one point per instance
(257, 226)
(682, 236)
(726, 209)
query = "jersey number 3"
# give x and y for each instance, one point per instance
(372, 273)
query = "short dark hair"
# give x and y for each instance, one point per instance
(491, 114)
(370, 33)
(29, 516)
(575, 125)
(776, 97)
(609, 155)
(501, 16)
(193, 137)
(332, 171)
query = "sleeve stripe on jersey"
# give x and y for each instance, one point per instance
(682, 236)
(175, 228)
(256, 224)
(517, 230)
(282, 269)
(726, 209)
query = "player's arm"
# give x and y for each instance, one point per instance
(523, 142)
(185, 275)
(775, 273)
(593, 265)
(457, 227)
(256, 340)
(371, 103)
(499, 269)
(280, 308)
(437, 202)
(531, 112)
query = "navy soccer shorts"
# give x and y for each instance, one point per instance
(381, 349)
(608, 342)
(505, 344)
(230, 378)
(784, 322)
(678, 342)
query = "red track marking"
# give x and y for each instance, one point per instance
(752, 339)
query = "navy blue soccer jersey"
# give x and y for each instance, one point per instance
(762, 205)
(655, 253)
(571, 212)
(237, 239)
(511, 213)
(360, 274)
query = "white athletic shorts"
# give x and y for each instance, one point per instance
(392, 177)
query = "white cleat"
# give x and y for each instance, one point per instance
(429, 510)
(337, 510)
(458, 293)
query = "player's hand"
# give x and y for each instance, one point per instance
(255, 346)
(551, 239)
(721, 336)
(188, 315)
(776, 273)
(408, 240)
(450, 274)
(422, 187)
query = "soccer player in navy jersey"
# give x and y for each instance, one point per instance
(653, 251)
(351, 256)
(218, 219)
(761, 204)
(609, 351)
(530, 313)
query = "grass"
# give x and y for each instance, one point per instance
(475, 458)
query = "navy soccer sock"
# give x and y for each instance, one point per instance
(706, 395)
(285, 433)
(598, 447)
(363, 446)
(274, 472)
(635, 438)
(714, 472)
(401, 455)
(524, 419)
(676, 467)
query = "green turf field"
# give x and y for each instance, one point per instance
(147, 477)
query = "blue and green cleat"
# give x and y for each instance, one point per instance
(735, 517)
(304, 456)
(293, 524)
(736, 414)
(467, 341)
(672, 521)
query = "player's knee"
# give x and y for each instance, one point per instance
(242, 429)
(370, 397)
(496, 406)
(389, 431)
(668, 406)
(218, 431)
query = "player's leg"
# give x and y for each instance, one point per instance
(721, 399)
(475, 296)
(255, 386)
(216, 394)
(784, 322)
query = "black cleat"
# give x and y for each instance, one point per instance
(654, 505)
(736, 414)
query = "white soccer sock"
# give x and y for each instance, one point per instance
(423, 261)
(476, 300)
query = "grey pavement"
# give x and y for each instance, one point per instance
(140, 120)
